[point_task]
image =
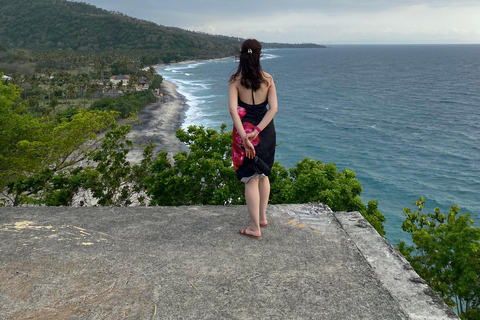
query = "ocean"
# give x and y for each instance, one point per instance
(404, 118)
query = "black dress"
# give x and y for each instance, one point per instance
(251, 116)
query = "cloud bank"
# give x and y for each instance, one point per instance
(323, 22)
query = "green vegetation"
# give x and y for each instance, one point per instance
(126, 104)
(31, 146)
(446, 254)
(66, 25)
(311, 181)
(80, 81)
(157, 82)
(203, 176)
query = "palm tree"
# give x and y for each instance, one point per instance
(16, 78)
(132, 82)
(64, 77)
(71, 90)
(82, 83)
(151, 74)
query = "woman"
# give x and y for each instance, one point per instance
(253, 143)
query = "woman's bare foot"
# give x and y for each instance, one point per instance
(248, 232)
(263, 224)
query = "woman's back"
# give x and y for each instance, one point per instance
(260, 95)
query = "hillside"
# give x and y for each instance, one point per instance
(60, 24)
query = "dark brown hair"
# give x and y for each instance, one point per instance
(249, 66)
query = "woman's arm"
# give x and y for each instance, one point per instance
(237, 122)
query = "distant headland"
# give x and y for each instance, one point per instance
(67, 27)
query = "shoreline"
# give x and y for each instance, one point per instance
(161, 65)
(158, 122)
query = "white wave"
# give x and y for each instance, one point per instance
(193, 114)
(210, 96)
(176, 67)
(193, 85)
(194, 65)
(268, 56)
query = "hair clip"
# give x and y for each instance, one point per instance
(249, 51)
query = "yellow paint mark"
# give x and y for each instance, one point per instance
(78, 228)
(300, 225)
(87, 243)
(291, 221)
(316, 231)
(25, 225)
(83, 232)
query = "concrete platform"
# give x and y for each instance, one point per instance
(189, 263)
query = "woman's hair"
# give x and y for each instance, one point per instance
(249, 67)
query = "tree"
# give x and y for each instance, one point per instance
(82, 83)
(16, 126)
(157, 82)
(132, 82)
(313, 181)
(446, 254)
(151, 74)
(30, 146)
(114, 180)
(63, 77)
(203, 176)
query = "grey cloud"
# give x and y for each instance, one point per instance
(259, 8)
(298, 18)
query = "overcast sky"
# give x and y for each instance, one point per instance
(317, 21)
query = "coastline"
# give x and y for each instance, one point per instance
(158, 122)
(161, 65)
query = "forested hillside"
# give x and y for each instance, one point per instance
(60, 24)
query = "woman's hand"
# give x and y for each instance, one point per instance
(252, 135)
(249, 148)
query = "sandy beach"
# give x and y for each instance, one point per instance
(158, 122)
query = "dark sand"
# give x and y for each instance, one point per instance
(158, 122)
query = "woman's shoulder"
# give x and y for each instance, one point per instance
(234, 81)
(235, 78)
(268, 77)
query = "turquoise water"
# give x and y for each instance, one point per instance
(405, 118)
